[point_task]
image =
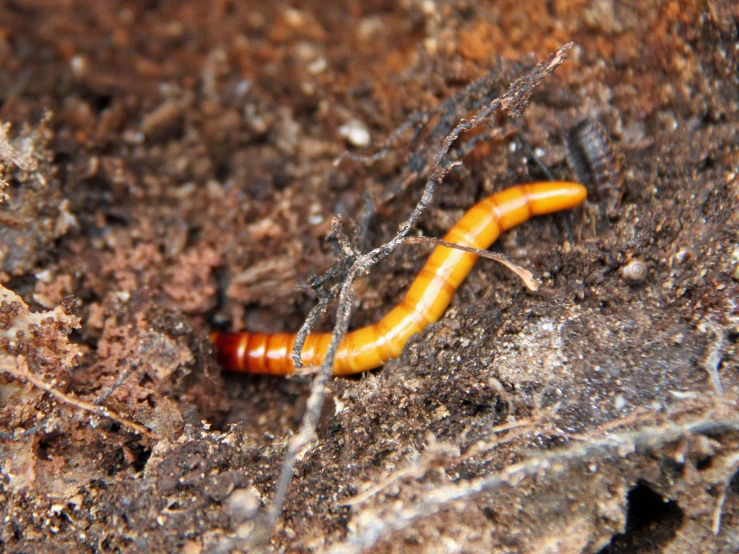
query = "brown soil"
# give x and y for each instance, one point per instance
(167, 169)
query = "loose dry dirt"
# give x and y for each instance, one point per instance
(167, 170)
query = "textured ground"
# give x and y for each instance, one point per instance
(167, 170)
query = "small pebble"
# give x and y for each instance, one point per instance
(356, 133)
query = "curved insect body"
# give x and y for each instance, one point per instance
(425, 302)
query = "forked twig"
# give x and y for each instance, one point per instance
(513, 102)
(554, 464)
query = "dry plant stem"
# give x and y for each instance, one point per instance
(319, 309)
(419, 469)
(514, 101)
(718, 511)
(19, 370)
(349, 255)
(425, 301)
(316, 312)
(713, 360)
(555, 465)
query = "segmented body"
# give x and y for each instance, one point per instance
(425, 302)
(591, 156)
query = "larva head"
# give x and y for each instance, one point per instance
(544, 198)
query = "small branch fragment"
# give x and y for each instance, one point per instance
(555, 465)
(713, 360)
(514, 102)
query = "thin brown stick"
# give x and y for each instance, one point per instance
(513, 102)
(554, 465)
(733, 463)
(418, 469)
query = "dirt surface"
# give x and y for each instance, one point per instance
(167, 169)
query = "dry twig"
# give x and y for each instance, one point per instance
(554, 465)
(513, 102)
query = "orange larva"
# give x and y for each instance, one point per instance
(425, 301)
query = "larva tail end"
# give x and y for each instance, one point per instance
(228, 346)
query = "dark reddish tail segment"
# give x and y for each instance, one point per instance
(425, 302)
